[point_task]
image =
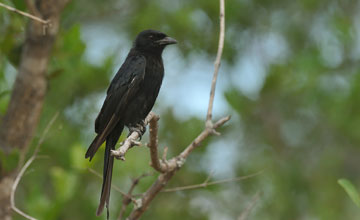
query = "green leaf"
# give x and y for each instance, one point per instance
(350, 190)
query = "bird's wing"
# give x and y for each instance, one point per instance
(123, 88)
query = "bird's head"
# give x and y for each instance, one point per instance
(152, 41)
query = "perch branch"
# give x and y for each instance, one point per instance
(216, 64)
(131, 140)
(45, 22)
(24, 168)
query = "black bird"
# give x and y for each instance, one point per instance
(130, 97)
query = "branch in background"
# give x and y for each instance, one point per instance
(216, 65)
(27, 164)
(131, 140)
(207, 183)
(45, 22)
(248, 209)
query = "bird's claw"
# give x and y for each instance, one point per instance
(140, 128)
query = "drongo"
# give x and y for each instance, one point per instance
(129, 98)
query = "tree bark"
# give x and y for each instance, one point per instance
(20, 122)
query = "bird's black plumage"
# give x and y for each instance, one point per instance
(130, 97)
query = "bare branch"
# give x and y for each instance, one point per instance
(27, 164)
(153, 145)
(130, 141)
(217, 63)
(207, 183)
(248, 209)
(45, 22)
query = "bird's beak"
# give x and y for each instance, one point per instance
(166, 41)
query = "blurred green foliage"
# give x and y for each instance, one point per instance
(350, 190)
(302, 125)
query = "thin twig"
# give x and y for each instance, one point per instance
(248, 209)
(46, 22)
(27, 164)
(217, 63)
(130, 141)
(207, 183)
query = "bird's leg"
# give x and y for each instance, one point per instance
(139, 127)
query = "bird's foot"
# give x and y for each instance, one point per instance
(140, 128)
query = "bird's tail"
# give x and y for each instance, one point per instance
(108, 168)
